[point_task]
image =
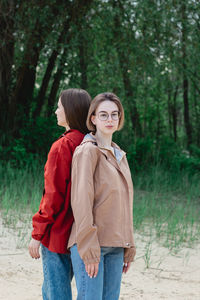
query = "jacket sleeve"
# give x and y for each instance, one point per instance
(129, 253)
(82, 200)
(56, 178)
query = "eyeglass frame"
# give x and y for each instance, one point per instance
(119, 115)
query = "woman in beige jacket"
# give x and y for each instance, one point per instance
(101, 241)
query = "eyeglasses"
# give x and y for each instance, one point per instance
(103, 115)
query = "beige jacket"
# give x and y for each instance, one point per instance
(102, 201)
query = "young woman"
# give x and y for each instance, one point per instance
(52, 223)
(101, 241)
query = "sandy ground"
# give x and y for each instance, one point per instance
(168, 276)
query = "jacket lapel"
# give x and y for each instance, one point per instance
(122, 167)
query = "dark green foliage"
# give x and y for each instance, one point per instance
(147, 52)
(34, 142)
(147, 153)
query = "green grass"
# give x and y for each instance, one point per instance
(166, 204)
(21, 189)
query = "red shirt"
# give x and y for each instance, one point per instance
(52, 223)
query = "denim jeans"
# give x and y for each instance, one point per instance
(57, 269)
(106, 286)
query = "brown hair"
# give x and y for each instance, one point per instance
(95, 103)
(76, 103)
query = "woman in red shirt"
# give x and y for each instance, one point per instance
(52, 223)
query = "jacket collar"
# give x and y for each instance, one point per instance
(68, 131)
(90, 137)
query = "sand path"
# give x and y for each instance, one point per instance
(168, 277)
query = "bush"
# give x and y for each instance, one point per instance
(34, 142)
(146, 153)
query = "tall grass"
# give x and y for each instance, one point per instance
(166, 203)
(21, 188)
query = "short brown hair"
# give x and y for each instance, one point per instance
(95, 103)
(76, 103)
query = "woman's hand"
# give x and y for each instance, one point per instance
(126, 267)
(33, 249)
(92, 269)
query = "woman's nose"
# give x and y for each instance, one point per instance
(109, 118)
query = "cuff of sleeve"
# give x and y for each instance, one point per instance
(91, 256)
(37, 237)
(129, 255)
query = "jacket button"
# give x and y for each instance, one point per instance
(127, 244)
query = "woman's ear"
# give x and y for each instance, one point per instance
(93, 119)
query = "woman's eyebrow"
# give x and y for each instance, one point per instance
(107, 112)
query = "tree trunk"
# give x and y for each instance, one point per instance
(51, 64)
(123, 59)
(22, 96)
(56, 83)
(134, 115)
(185, 85)
(186, 112)
(197, 116)
(174, 114)
(169, 105)
(7, 12)
(77, 10)
(40, 100)
(83, 58)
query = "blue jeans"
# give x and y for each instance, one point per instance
(57, 269)
(106, 286)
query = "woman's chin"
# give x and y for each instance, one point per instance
(108, 131)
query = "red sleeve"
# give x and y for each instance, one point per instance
(56, 178)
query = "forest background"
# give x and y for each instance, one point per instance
(148, 53)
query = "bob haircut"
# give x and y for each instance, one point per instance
(95, 103)
(76, 103)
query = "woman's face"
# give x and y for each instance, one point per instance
(60, 113)
(106, 117)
